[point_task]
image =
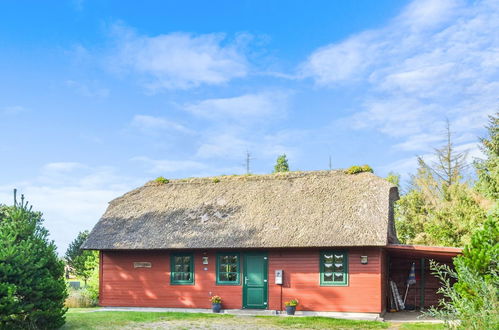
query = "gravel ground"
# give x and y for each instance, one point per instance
(240, 322)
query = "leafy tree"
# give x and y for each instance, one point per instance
(482, 254)
(393, 178)
(471, 290)
(93, 285)
(488, 169)
(439, 209)
(32, 286)
(81, 262)
(281, 164)
(462, 310)
(433, 214)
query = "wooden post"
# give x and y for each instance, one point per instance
(422, 286)
(101, 279)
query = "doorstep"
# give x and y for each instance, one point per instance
(249, 312)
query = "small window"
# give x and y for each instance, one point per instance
(334, 268)
(182, 268)
(228, 268)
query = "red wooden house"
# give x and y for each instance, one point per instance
(326, 238)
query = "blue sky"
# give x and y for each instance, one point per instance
(97, 97)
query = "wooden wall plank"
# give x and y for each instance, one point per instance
(124, 285)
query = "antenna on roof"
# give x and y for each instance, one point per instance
(15, 196)
(330, 163)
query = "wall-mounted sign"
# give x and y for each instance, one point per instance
(205, 260)
(142, 264)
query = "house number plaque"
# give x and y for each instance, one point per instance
(142, 265)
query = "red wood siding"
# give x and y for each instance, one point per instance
(301, 281)
(122, 285)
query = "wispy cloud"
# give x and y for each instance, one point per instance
(159, 166)
(72, 196)
(178, 60)
(243, 107)
(88, 90)
(153, 124)
(239, 123)
(12, 110)
(436, 60)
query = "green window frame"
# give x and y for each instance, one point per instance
(182, 268)
(228, 268)
(334, 268)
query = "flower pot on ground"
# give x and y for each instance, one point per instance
(291, 306)
(216, 304)
(216, 307)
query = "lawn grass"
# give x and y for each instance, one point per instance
(78, 318)
(89, 318)
(318, 322)
(422, 326)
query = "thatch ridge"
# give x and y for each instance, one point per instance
(293, 209)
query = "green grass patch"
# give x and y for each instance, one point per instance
(421, 326)
(82, 310)
(78, 318)
(89, 318)
(318, 322)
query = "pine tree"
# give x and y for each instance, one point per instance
(32, 286)
(488, 169)
(281, 164)
(450, 164)
(81, 262)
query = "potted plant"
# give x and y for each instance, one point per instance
(291, 306)
(216, 304)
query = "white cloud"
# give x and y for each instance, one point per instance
(340, 62)
(424, 14)
(153, 124)
(159, 166)
(92, 90)
(72, 196)
(224, 145)
(436, 60)
(244, 107)
(12, 110)
(178, 60)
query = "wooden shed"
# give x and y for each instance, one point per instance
(330, 236)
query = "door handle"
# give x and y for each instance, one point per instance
(245, 280)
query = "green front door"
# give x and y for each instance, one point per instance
(255, 280)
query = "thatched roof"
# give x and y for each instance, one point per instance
(295, 209)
